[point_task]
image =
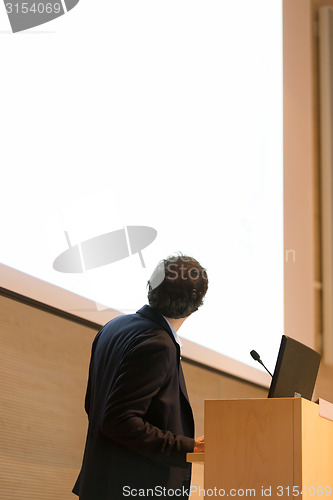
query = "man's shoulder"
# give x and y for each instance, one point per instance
(144, 319)
(134, 336)
(133, 320)
(137, 325)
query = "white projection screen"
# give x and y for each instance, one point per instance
(160, 114)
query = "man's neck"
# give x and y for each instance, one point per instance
(176, 323)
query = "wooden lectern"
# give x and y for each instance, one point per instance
(266, 448)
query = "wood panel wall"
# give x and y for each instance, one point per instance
(43, 372)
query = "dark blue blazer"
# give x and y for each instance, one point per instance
(140, 419)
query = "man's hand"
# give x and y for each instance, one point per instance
(199, 445)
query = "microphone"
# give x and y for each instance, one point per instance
(256, 357)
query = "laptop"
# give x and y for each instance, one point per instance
(296, 370)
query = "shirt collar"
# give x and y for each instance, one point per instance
(174, 333)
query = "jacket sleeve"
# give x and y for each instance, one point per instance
(143, 372)
(89, 388)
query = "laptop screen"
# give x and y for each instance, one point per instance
(295, 371)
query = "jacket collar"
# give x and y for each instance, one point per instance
(149, 313)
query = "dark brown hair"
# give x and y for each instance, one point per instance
(177, 286)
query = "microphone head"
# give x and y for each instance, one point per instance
(255, 355)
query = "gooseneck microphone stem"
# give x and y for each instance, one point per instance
(256, 357)
(267, 370)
